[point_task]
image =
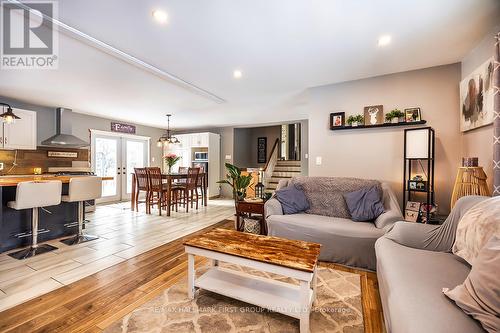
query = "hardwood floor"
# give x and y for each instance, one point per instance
(123, 235)
(97, 300)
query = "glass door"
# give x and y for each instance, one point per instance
(136, 155)
(106, 163)
(116, 155)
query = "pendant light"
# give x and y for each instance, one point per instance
(8, 116)
(167, 138)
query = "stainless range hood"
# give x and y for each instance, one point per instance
(63, 137)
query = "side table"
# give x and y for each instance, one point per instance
(248, 209)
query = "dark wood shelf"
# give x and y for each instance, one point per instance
(421, 122)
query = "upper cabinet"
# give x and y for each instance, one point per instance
(22, 133)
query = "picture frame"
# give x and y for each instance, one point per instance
(374, 115)
(417, 185)
(412, 115)
(413, 205)
(262, 150)
(412, 211)
(337, 119)
(477, 96)
(411, 216)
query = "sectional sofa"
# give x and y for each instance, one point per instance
(414, 264)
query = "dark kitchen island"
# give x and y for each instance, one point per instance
(15, 225)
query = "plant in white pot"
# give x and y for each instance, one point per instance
(355, 120)
(395, 116)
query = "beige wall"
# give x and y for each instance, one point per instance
(378, 153)
(245, 154)
(479, 142)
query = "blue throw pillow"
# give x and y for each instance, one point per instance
(365, 204)
(292, 200)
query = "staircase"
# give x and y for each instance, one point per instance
(282, 170)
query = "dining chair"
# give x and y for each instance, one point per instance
(142, 181)
(182, 170)
(200, 183)
(186, 193)
(157, 189)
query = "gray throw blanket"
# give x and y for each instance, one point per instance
(326, 194)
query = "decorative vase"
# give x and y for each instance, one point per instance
(354, 124)
(394, 120)
(401, 119)
(169, 171)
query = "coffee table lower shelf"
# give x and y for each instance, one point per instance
(270, 294)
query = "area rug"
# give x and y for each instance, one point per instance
(337, 309)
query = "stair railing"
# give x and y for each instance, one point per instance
(271, 164)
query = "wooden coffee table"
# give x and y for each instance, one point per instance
(290, 258)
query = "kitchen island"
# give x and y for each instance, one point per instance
(55, 221)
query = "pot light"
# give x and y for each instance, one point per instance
(384, 40)
(160, 16)
(237, 74)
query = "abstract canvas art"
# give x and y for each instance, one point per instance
(476, 98)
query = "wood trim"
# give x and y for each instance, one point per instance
(272, 152)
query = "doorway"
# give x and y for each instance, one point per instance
(290, 142)
(116, 155)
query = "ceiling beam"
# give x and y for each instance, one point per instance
(121, 55)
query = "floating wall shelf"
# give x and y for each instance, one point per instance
(421, 122)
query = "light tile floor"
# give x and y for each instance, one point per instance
(123, 235)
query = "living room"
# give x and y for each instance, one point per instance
(250, 167)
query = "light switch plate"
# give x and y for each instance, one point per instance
(318, 160)
(1, 165)
(228, 157)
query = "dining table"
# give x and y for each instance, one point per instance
(169, 178)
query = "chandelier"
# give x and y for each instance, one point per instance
(167, 138)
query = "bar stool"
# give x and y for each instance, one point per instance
(34, 195)
(82, 189)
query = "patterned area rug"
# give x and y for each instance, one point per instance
(337, 309)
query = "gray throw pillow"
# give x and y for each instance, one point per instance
(292, 200)
(479, 295)
(365, 204)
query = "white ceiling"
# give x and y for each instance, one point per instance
(282, 46)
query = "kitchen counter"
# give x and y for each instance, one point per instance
(15, 225)
(14, 180)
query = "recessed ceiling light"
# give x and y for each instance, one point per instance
(160, 16)
(384, 40)
(237, 74)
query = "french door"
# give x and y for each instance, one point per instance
(116, 155)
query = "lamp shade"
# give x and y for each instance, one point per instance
(417, 143)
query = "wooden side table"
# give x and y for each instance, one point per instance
(248, 209)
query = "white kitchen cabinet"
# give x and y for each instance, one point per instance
(22, 133)
(213, 164)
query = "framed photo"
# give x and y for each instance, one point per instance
(417, 185)
(413, 205)
(411, 216)
(337, 119)
(412, 211)
(374, 115)
(412, 115)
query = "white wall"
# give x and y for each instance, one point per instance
(479, 142)
(378, 153)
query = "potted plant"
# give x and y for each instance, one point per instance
(395, 116)
(355, 120)
(171, 160)
(237, 181)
